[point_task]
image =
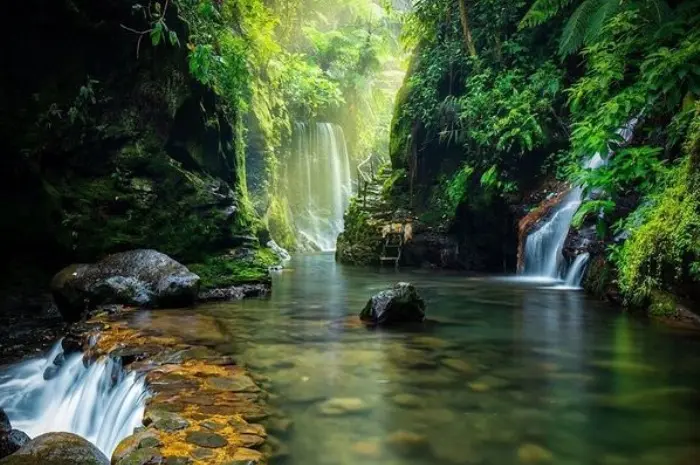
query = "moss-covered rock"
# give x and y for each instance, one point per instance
(57, 449)
(238, 266)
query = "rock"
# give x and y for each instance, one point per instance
(280, 426)
(147, 456)
(408, 400)
(204, 439)
(4, 422)
(458, 365)
(138, 277)
(251, 441)
(407, 442)
(532, 453)
(57, 449)
(369, 449)
(240, 383)
(402, 304)
(342, 406)
(11, 441)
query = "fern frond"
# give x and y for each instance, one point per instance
(542, 11)
(578, 30)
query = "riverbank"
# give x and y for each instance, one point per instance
(202, 409)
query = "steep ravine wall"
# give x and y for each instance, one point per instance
(104, 151)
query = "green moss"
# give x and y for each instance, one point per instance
(241, 266)
(278, 223)
(664, 248)
(360, 244)
(598, 277)
(662, 304)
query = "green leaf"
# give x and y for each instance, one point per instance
(157, 33)
(173, 38)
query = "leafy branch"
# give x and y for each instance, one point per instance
(156, 16)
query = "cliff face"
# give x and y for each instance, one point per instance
(105, 151)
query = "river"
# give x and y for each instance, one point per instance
(510, 372)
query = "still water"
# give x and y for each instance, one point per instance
(509, 373)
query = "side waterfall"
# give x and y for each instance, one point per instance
(59, 393)
(319, 182)
(543, 247)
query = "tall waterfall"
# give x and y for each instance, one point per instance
(319, 182)
(100, 402)
(543, 247)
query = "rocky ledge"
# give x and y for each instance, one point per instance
(203, 408)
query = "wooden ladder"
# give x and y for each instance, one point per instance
(391, 251)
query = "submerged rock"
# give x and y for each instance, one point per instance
(138, 277)
(57, 449)
(402, 304)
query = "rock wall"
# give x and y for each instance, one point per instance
(105, 151)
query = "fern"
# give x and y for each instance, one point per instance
(542, 11)
(579, 27)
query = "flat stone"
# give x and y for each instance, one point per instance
(368, 449)
(203, 439)
(246, 456)
(212, 425)
(178, 461)
(255, 429)
(533, 453)
(150, 456)
(343, 406)
(171, 424)
(407, 442)
(240, 383)
(251, 441)
(200, 453)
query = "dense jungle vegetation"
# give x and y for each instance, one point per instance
(505, 98)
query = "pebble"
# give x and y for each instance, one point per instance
(532, 453)
(342, 406)
(408, 400)
(458, 365)
(370, 449)
(406, 442)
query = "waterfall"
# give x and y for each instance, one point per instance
(543, 247)
(319, 184)
(58, 393)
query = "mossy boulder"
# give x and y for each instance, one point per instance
(57, 449)
(243, 265)
(395, 306)
(139, 277)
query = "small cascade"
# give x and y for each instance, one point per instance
(544, 246)
(58, 393)
(319, 183)
(575, 275)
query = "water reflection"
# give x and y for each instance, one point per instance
(509, 373)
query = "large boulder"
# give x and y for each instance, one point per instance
(138, 277)
(401, 304)
(57, 449)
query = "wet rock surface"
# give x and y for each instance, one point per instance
(203, 410)
(57, 449)
(395, 306)
(138, 277)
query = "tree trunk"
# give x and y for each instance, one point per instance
(464, 17)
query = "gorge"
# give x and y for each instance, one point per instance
(200, 197)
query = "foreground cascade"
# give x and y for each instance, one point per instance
(100, 402)
(398, 305)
